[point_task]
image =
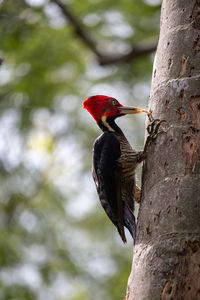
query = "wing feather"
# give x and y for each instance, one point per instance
(107, 178)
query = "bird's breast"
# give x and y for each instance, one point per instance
(127, 163)
(127, 159)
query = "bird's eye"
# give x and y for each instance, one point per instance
(114, 102)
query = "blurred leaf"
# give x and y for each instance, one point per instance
(55, 240)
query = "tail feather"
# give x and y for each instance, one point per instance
(122, 233)
(129, 221)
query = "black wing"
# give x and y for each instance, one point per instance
(107, 177)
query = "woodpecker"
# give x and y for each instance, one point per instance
(115, 162)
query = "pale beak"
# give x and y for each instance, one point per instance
(132, 110)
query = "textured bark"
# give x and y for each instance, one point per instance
(166, 261)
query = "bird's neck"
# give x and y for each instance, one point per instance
(108, 124)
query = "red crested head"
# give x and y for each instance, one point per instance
(102, 106)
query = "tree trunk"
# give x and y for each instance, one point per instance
(166, 262)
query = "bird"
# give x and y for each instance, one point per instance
(115, 161)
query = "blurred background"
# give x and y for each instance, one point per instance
(56, 242)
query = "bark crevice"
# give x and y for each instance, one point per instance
(180, 283)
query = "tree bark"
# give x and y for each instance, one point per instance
(166, 261)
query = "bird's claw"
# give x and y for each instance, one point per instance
(153, 127)
(153, 131)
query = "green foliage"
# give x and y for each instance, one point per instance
(55, 240)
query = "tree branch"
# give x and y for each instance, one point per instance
(103, 58)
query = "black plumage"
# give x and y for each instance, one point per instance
(115, 177)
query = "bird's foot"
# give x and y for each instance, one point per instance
(137, 195)
(153, 131)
